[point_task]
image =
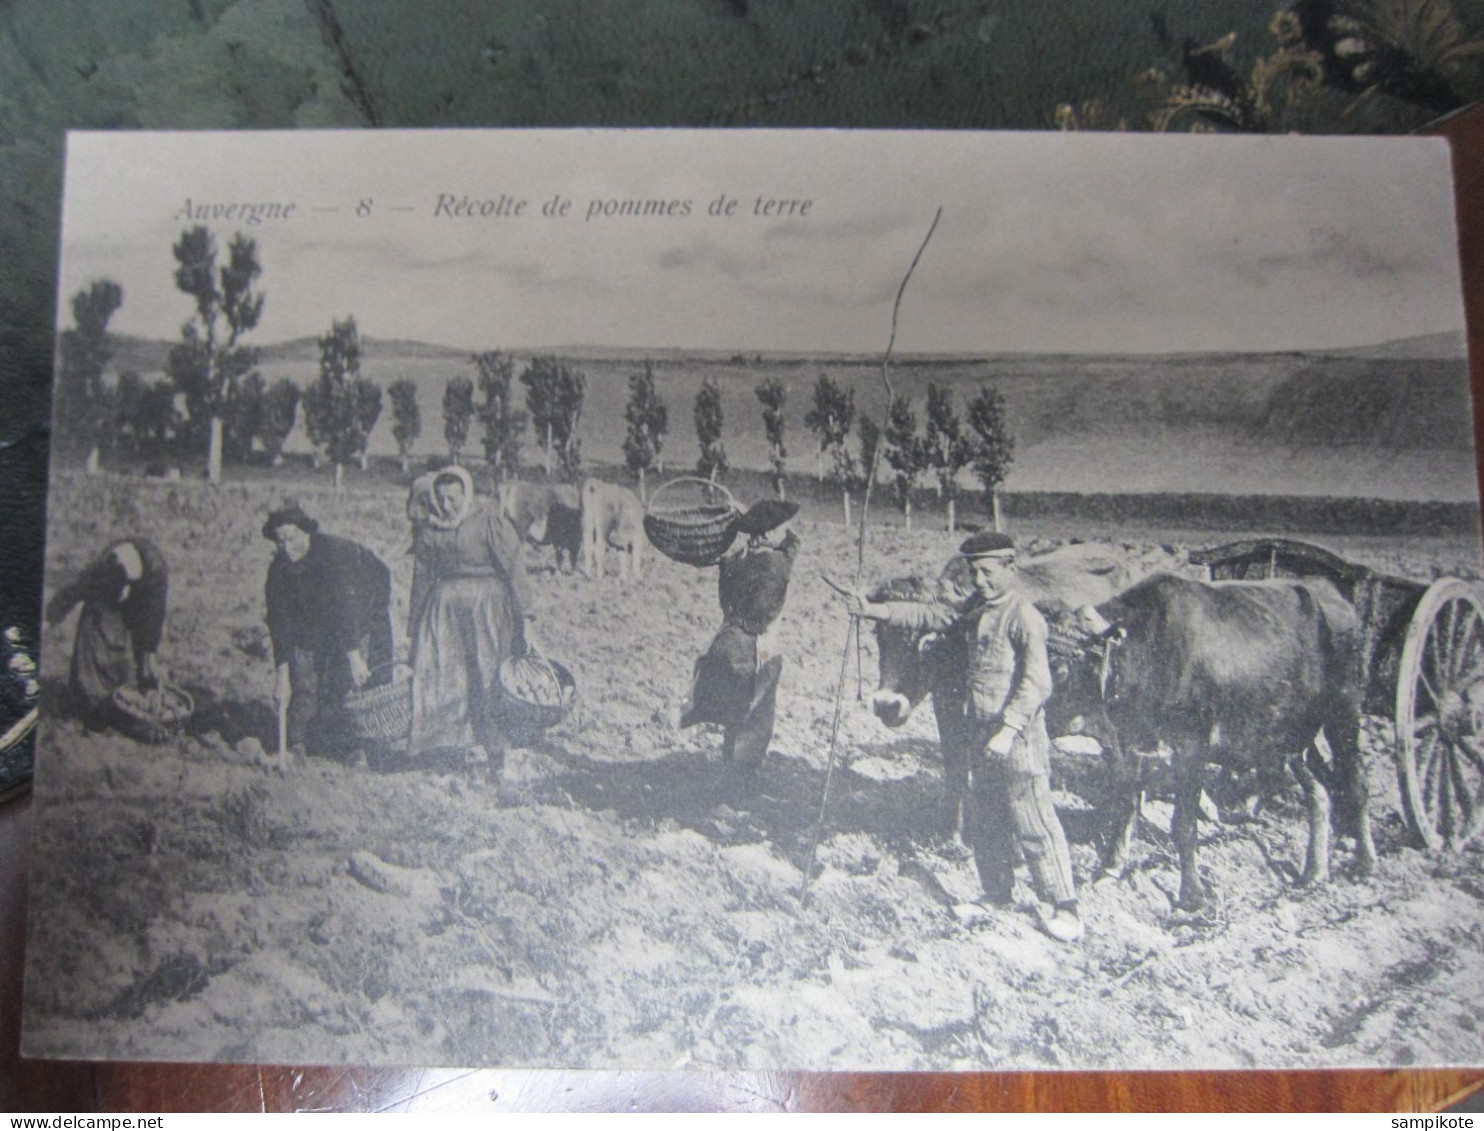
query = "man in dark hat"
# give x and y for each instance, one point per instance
(735, 682)
(329, 617)
(1009, 680)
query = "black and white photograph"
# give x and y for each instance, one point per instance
(758, 600)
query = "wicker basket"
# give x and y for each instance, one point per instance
(695, 533)
(516, 706)
(382, 713)
(152, 716)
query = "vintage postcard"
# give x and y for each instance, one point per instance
(760, 600)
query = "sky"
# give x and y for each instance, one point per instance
(1085, 243)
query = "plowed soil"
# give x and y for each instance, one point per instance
(615, 901)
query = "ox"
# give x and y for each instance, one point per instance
(1248, 675)
(915, 665)
(546, 515)
(611, 516)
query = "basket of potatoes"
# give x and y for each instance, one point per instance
(533, 693)
(152, 714)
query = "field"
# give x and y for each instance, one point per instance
(610, 903)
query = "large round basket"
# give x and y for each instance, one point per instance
(152, 715)
(533, 693)
(382, 713)
(693, 525)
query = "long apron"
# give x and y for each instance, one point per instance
(102, 657)
(469, 629)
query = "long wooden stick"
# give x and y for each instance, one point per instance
(891, 396)
(852, 634)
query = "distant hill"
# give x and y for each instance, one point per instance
(378, 349)
(1393, 402)
(149, 355)
(1447, 345)
(144, 355)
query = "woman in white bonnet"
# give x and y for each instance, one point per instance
(468, 615)
(123, 594)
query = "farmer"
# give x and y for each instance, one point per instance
(735, 683)
(1009, 680)
(123, 594)
(469, 614)
(330, 622)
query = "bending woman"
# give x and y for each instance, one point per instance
(735, 682)
(122, 594)
(468, 616)
(330, 621)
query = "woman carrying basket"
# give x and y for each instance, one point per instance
(468, 615)
(330, 621)
(735, 683)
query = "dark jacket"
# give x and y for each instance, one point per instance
(754, 584)
(141, 606)
(328, 600)
(727, 684)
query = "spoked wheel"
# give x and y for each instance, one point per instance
(1440, 716)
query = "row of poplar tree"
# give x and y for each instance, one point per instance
(942, 448)
(231, 411)
(211, 372)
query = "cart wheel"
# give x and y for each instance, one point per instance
(1440, 716)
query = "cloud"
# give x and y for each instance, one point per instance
(708, 258)
(1044, 242)
(1348, 251)
(869, 227)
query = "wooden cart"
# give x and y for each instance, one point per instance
(1422, 665)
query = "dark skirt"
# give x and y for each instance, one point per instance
(729, 688)
(102, 658)
(723, 678)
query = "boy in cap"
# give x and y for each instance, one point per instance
(735, 683)
(1009, 682)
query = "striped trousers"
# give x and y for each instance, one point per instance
(1010, 810)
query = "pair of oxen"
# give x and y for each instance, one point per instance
(1255, 677)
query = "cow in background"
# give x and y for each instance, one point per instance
(1247, 675)
(611, 516)
(546, 514)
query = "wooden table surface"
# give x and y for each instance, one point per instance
(63, 1086)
